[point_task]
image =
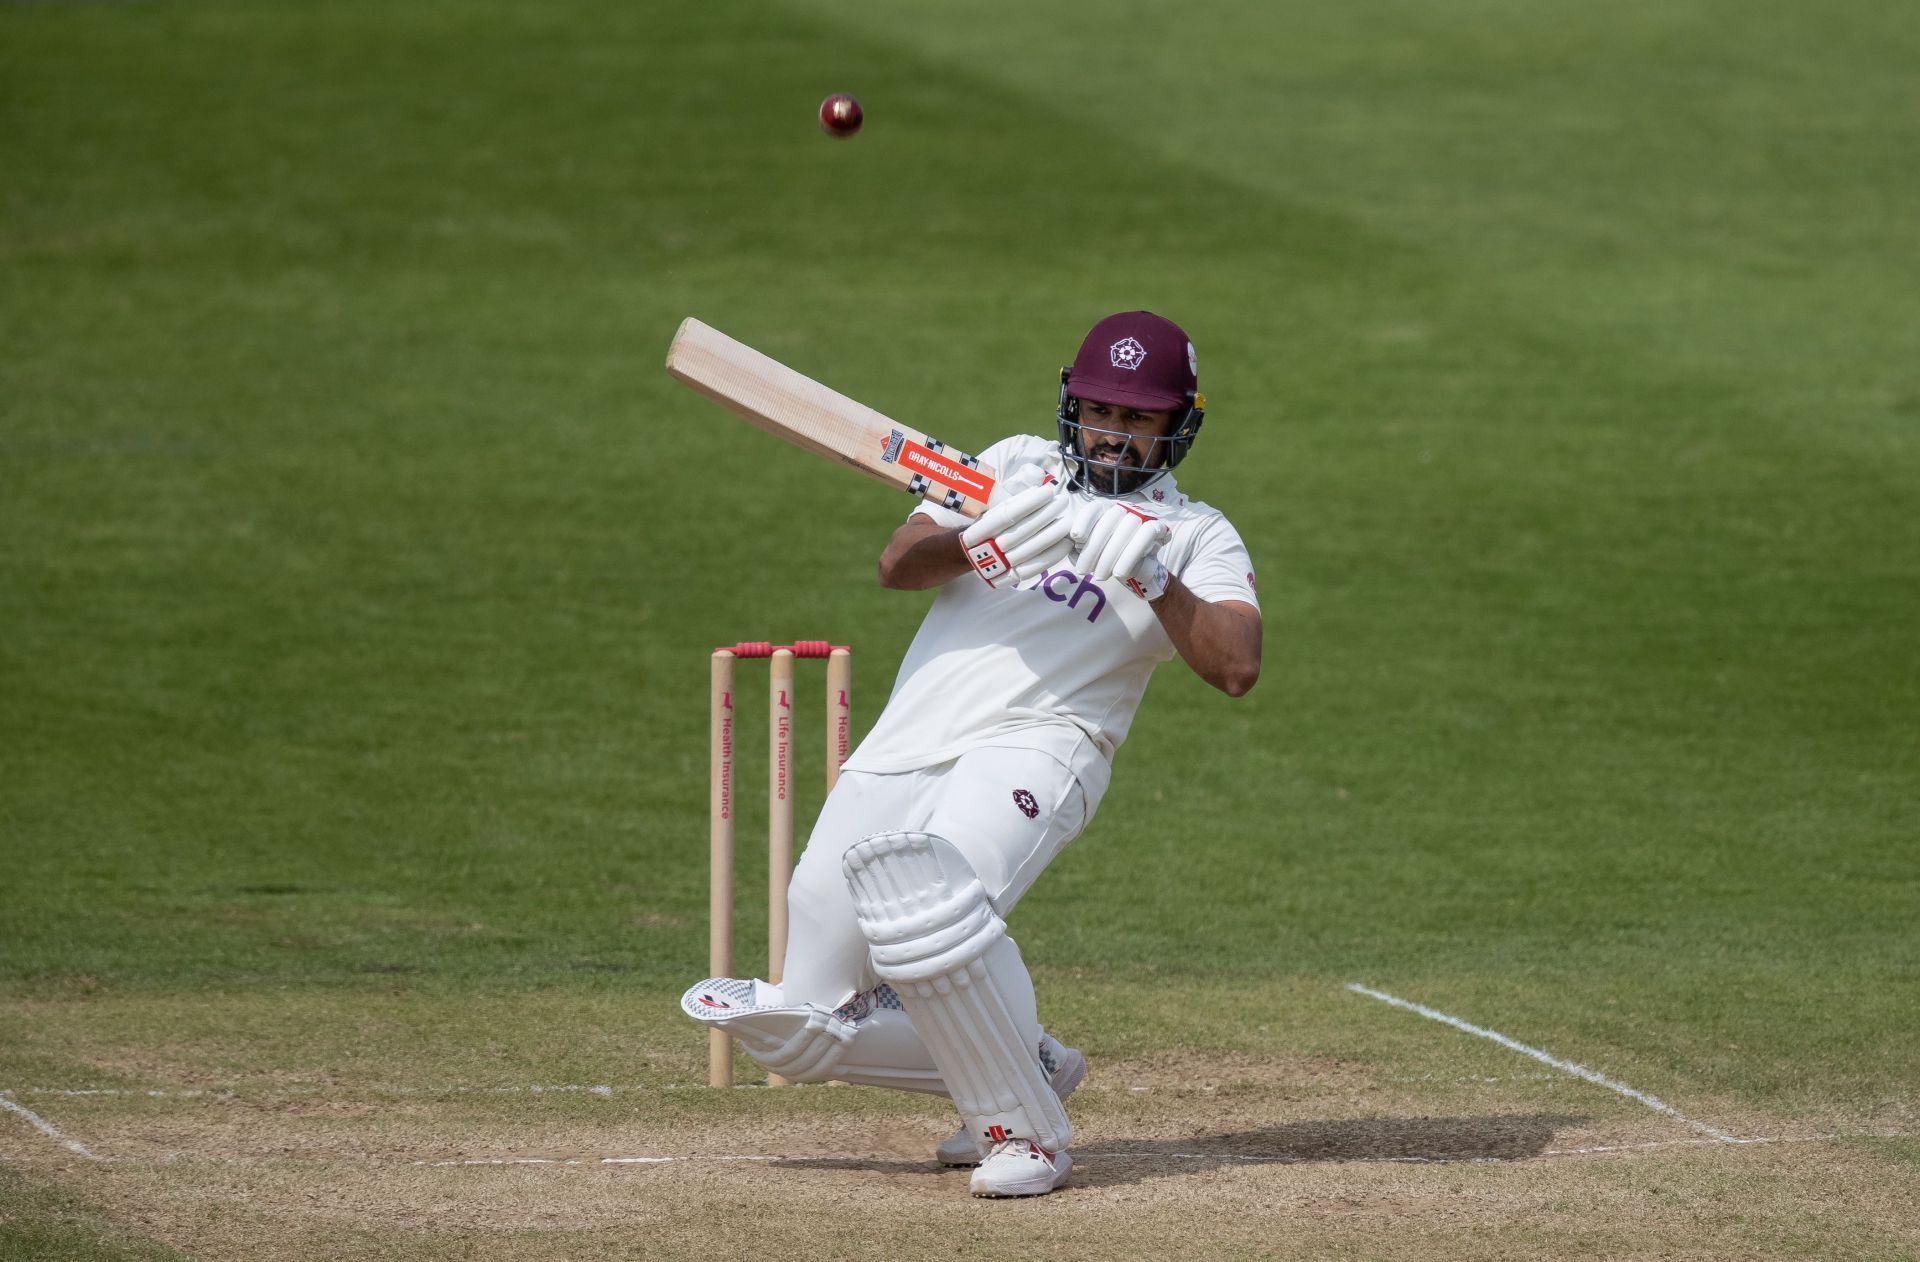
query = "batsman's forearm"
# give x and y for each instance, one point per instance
(1220, 641)
(923, 554)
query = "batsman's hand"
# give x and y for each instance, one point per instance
(1115, 540)
(1024, 530)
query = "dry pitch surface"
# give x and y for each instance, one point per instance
(1196, 1157)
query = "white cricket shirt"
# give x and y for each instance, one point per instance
(1058, 663)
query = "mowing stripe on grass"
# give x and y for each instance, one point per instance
(1578, 1071)
(42, 1125)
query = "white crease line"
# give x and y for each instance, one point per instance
(598, 1161)
(1578, 1071)
(1157, 1156)
(85, 1091)
(276, 1092)
(42, 1125)
(1223, 1158)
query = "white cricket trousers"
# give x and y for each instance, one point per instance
(1009, 811)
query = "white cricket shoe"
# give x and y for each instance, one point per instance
(1020, 1167)
(1066, 1067)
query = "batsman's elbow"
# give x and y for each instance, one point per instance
(892, 566)
(1240, 682)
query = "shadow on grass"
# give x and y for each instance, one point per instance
(1436, 1140)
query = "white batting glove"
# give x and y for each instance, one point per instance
(1115, 540)
(1023, 531)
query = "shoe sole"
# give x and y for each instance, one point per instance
(1012, 1196)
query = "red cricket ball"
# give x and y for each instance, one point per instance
(840, 115)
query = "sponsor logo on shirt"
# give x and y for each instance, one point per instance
(1070, 588)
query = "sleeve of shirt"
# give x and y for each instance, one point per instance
(1002, 457)
(1220, 568)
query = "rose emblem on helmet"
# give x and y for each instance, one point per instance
(1127, 353)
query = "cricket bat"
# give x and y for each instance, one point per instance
(788, 405)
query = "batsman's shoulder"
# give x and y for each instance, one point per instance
(1214, 526)
(1201, 511)
(1202, 531)
(1179, 509)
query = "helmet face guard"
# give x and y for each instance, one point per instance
(1113, 481)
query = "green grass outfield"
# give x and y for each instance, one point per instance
(358, 560)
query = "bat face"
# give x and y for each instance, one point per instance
(789, 405)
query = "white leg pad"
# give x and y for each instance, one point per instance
(937, 941)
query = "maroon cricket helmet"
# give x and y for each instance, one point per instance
(1135, 359)
(1140, 360)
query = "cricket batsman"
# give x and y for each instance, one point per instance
(1089, 568)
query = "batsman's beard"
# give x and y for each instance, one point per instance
(1104, 469)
